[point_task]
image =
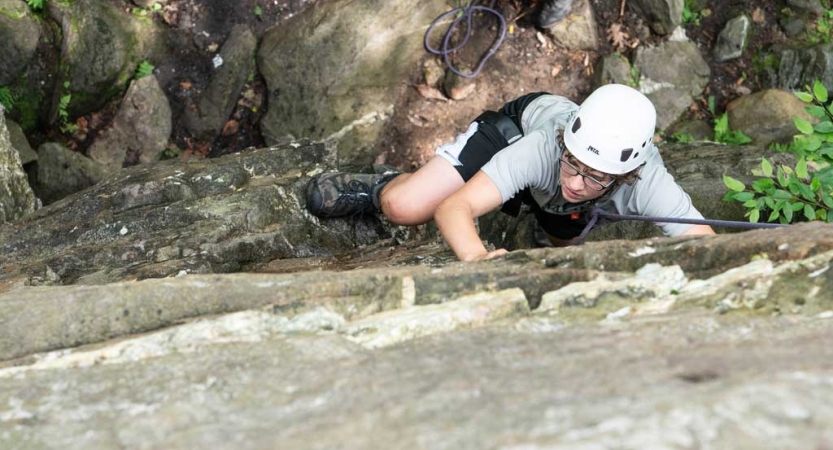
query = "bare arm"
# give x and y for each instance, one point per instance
(699, 230)
(455, 217)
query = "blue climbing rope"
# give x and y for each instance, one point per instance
(464, 13)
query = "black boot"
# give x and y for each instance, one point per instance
(553, 11)
(341, 194)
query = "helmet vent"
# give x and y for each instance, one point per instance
(577, 124)
(626, 153)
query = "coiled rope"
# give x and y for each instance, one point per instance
(464, 13)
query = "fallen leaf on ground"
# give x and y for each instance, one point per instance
(617, 36)
(758, 16)
(430, 92)
(230, 127)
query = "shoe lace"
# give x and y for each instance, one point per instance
(356, 193)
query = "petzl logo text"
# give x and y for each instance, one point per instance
(591, 149)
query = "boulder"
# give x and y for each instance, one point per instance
(16, 197)
(103, 45)
(662, 15)
(732, 40)
(799, 67)
(672, 74)
(614, 68)
(333, 71)
(767, 116)
(139, 132)
(29, 49)
(578, 30)
(236, 62)
(61, 172)
(19, 36)
(20, 143)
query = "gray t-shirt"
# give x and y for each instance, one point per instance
(532, 162)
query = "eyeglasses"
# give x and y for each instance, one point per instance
(589, 181)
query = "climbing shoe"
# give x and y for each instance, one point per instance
(553, 11)
(342, 194)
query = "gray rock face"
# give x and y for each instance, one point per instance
(62, 172)
(20, 143)
(671, 75)
(19, 35)
(219, 215)
(217, 103)
(767, 116)
(578, 30)
(102, 47)
(140, 130)
(662, 15)
(732, 40)
(345, 95)
(385, 363)
(16, 197)
(799, 67)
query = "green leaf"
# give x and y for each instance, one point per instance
(782, 177)
(807, 193)
(744, 196)
(820, 91)
(766, 167)
(824, 127)
(779, 205)
(827, 199)
(815, 111)
(729, 196)
(770, 203)
(815, 184)
(821, 214)
(809, 212)
(754, 215)
(763, 184)
(781, 194)
(733, 184)
(801, 168)
(788, 212)
(773, 216)
(813, 143)
(750, 204)
(804, 97)
(801, 124)
(830, 218)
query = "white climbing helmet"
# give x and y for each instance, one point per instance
(612, 130)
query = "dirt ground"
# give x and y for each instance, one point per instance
(527, 61)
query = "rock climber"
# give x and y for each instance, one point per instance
(539, 150)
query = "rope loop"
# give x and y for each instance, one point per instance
(464, 13)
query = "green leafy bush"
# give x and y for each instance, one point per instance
(145, 68)
(722, 133)
(691, 16)
(789, 194)
(36, 5)
(6, 98)
(63, 111)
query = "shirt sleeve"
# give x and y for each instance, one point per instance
(658, 194)
(525, 163)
